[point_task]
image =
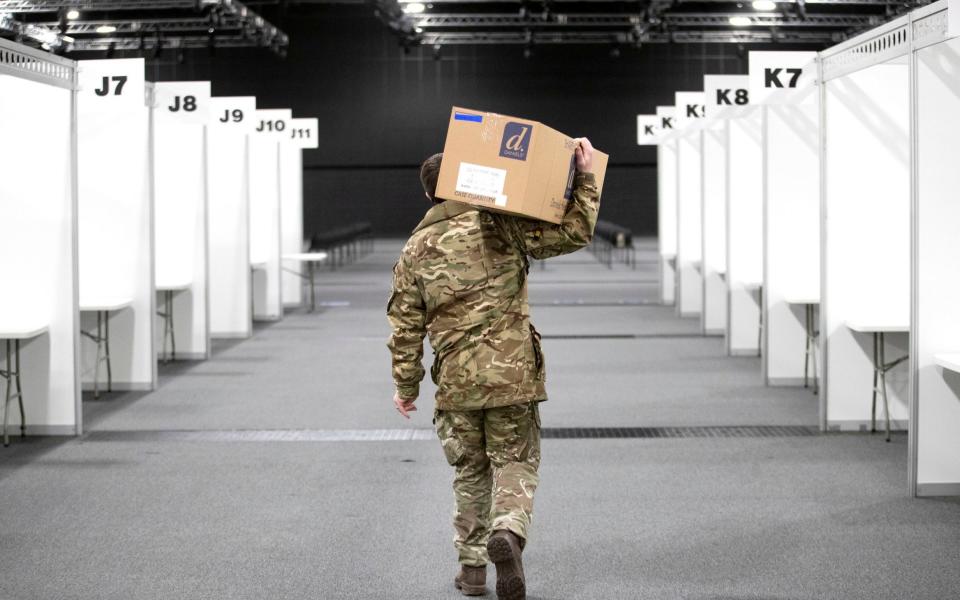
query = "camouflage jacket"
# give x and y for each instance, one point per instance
(461, 279)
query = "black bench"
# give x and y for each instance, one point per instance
(345, 243)
(612, 241)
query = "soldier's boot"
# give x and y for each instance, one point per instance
(471, 581)
(505, 550)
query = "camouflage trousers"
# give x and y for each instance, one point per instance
(496, 454)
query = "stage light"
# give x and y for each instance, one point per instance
(741, 21)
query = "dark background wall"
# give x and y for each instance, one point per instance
(382, 111)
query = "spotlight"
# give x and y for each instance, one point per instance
(105, 29)
(73, 14)
(766, 5)
(741, 21)
(414, 8)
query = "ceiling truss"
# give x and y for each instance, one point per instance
(125, 24)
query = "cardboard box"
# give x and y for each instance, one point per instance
(510, 165)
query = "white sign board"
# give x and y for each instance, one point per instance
(667, 116)
(304, 133)
(115, 84)
(273, 122)
(772, 71)
(690, 107)
(233, 113)
(188, 101)
(723, 91)
(648, 130)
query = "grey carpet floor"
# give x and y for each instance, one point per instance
(134, 516)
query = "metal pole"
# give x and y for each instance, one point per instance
(6, 400)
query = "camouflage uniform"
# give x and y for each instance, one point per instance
(461, 280)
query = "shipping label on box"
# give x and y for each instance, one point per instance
(510, 165)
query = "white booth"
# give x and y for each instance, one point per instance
(744, 230)
(232, 122)
(115, 220)
(667, 204)
(865, 296)
(723, 92)
(935, 347)
(791, 206)
(270, 130)
(300, 135)
(690, 114)
(39, 318)
(180, 114)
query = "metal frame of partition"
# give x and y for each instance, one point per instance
(23, 62)
(901, 37)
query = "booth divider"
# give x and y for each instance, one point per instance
(723, 93)
(744, 231)
(39, 315)
(115, 214)
(302, 134)
(265, 220)
(689, 239)
(935, 340)
(791, 224)
(181, 111)
(667, 204)
(232, 122)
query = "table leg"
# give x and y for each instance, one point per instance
(806, 349)
(96, 366)
(106, 347)
(883, 385)
(876, 372)
(173, 332)
(8, 375)
(313, 295)
(814, 336)
(760, 326)
(23, 415)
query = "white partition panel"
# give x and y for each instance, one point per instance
(667, 204)
(744, 231)
(714, 227)
(301, 134)
(690, 112)
(791, 231)
(689, 238)
(723, 93)
(937, 264)
(265, 241)
(115, 216)
(232, 121)
(38, 235)
(866, 260)
(180, 115)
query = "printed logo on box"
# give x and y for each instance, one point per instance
(516, 140)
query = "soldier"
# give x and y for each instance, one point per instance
(462, 280)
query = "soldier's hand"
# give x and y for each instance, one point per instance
(584, 154)
(404, 406)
